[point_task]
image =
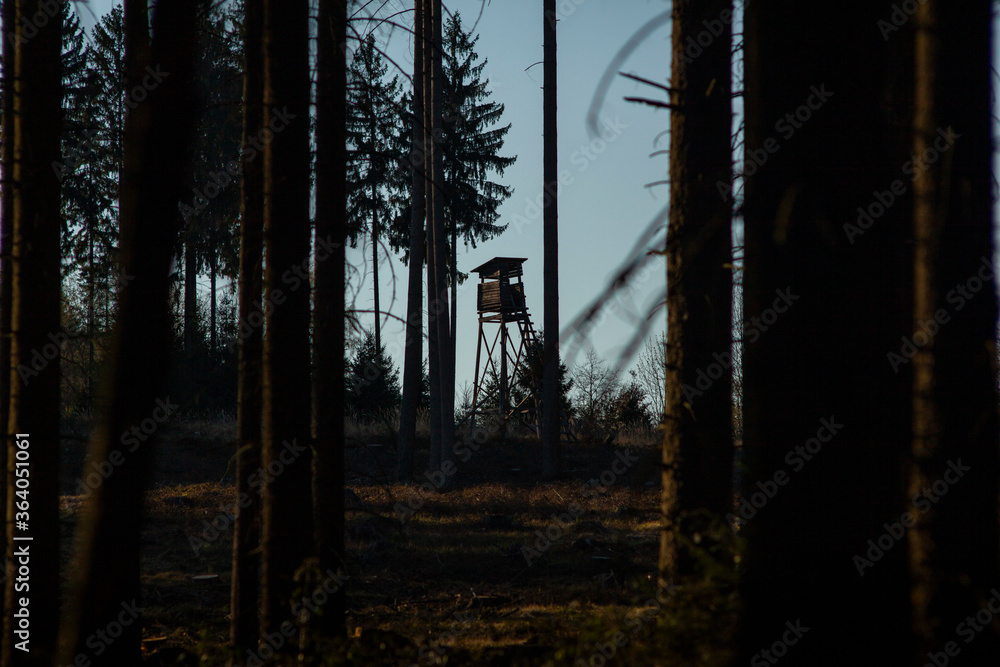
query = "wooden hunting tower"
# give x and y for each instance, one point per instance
(500, 301)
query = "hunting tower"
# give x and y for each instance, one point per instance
(500, 301)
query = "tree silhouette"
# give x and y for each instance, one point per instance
(287, 526)
(32, 499)
(371, 132)
(953, 546)
(817, 379)
(108, 532)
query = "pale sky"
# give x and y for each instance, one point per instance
(605, 207)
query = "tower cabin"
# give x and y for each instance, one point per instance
(500, 302)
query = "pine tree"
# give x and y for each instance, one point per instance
(413, 217)
(371, 132)
(529, 385)
(441, 340)
(89, 197)
(211, 207)
(472, 142)
(371, 380)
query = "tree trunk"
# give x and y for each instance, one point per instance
(453, 323)
(9, 10)
(439, 312)
(698, 441)
(823, 410)
(91, 289)
(953, 548)
(190, 295)
(378, 307)
(212, 305)
(158, 131)
(33, 417)
(244, 618)
(288, 518)
(434, 309)
(413, 352)
(331, 207)
(550, 227)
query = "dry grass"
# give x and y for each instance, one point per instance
(450, 583)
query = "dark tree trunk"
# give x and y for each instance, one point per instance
(413, 351)
(331, 208)
(190, 296)
(244, 599)
(213, 301)
(6, 257)
(953, 547)
(550, 227)
(33, 416)
(157, 134)
(439, 312)
(288, 518)
(822, 307)
(378, 306)
(453, 261)
(698, 441)
(434, 308)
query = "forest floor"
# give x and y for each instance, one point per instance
(504, 570)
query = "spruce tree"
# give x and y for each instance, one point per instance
(472, 144)
(371, 132)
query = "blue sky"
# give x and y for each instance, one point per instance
(603, 209)
(604, 206)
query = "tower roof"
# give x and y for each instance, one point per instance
(500, 266)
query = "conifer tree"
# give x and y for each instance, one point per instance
(371, 132)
